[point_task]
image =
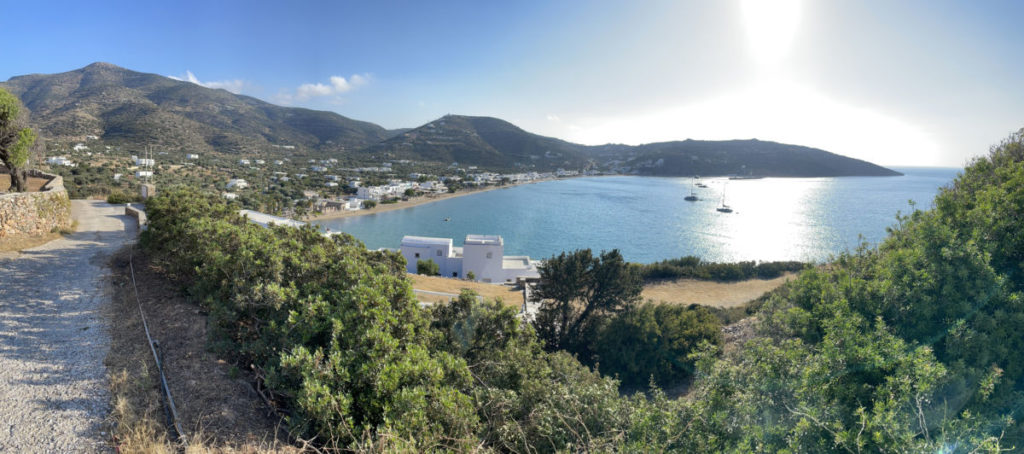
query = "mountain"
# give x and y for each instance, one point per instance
(481, 141)
(124, 106)
(495, 143)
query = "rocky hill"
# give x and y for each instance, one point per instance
(124, 106)
(492, 142)
(137, 109)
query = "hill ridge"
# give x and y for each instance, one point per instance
(125, 107)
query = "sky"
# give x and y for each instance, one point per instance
(915, 82)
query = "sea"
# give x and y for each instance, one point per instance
(648, 220)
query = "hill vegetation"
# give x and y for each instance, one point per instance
(910, 346)
(135, 110)
(130, 108)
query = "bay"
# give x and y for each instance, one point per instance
(647, 219)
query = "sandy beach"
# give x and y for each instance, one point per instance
(415, 201)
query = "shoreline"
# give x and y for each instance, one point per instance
(412, 202)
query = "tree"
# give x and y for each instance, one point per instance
(654, 342)
(428, 267)
(471, 276)
(410, 192)
(369, 204)
(15, 139)
(578, 291)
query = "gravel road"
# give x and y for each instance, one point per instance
(53, 385)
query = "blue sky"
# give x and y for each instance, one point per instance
(898, 83)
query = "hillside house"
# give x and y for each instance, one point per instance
(483, 255)
(237, 183)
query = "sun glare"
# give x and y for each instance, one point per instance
(771, 27)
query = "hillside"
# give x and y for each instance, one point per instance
(124, 107)
(492, 142)
(127, 107)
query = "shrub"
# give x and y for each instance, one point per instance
(428, 267)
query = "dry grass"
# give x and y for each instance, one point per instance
(33, 183)
(216, 410)
(708, 293)
(509, 295)
(8, 244)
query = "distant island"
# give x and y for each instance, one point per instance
(134, 110)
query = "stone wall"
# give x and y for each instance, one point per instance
(34, 214)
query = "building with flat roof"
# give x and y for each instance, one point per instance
(483, 255)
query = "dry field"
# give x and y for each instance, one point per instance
(717, 294)
(509, 295)
(683, 291)
(33, 183)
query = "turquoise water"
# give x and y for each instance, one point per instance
(647, 219)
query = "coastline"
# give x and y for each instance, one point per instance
(416, 201)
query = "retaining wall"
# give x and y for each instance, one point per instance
(34, 214)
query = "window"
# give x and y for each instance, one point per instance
(455, 274)
(490, 255)
(438, 252)
(417, 255)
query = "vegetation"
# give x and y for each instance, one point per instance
(652, 343)
(369, 204)
(578, 291)
(912, 346)
(123, 197)
(691, 267)
(428, 267)
(16, 140)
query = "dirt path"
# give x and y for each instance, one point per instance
(53, 387)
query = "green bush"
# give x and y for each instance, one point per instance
(334, 326)
(119, 197)
(428, 267)
(694, 268)
(653, 343)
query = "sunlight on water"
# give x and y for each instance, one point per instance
(806, 219)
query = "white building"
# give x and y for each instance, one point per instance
(192, 156)
(143, 162)
(237, 183)
(80, 147)
(230, 195)
(144, 174)
(243, 162)
(483, 255)
(59, 161)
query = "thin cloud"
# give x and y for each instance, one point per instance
(336, 85)
(234, 86)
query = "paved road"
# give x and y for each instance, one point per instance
(53, 339)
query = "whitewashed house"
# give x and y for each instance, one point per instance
(59, 161)
(483, 255)
(144, 174)
(192, 156)
(80, 147)
(237, 183)
(243, 162)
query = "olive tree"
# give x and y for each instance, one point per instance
(15, 139)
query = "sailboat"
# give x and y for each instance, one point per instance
(723, 208)
(700, 184)
(692, 197)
